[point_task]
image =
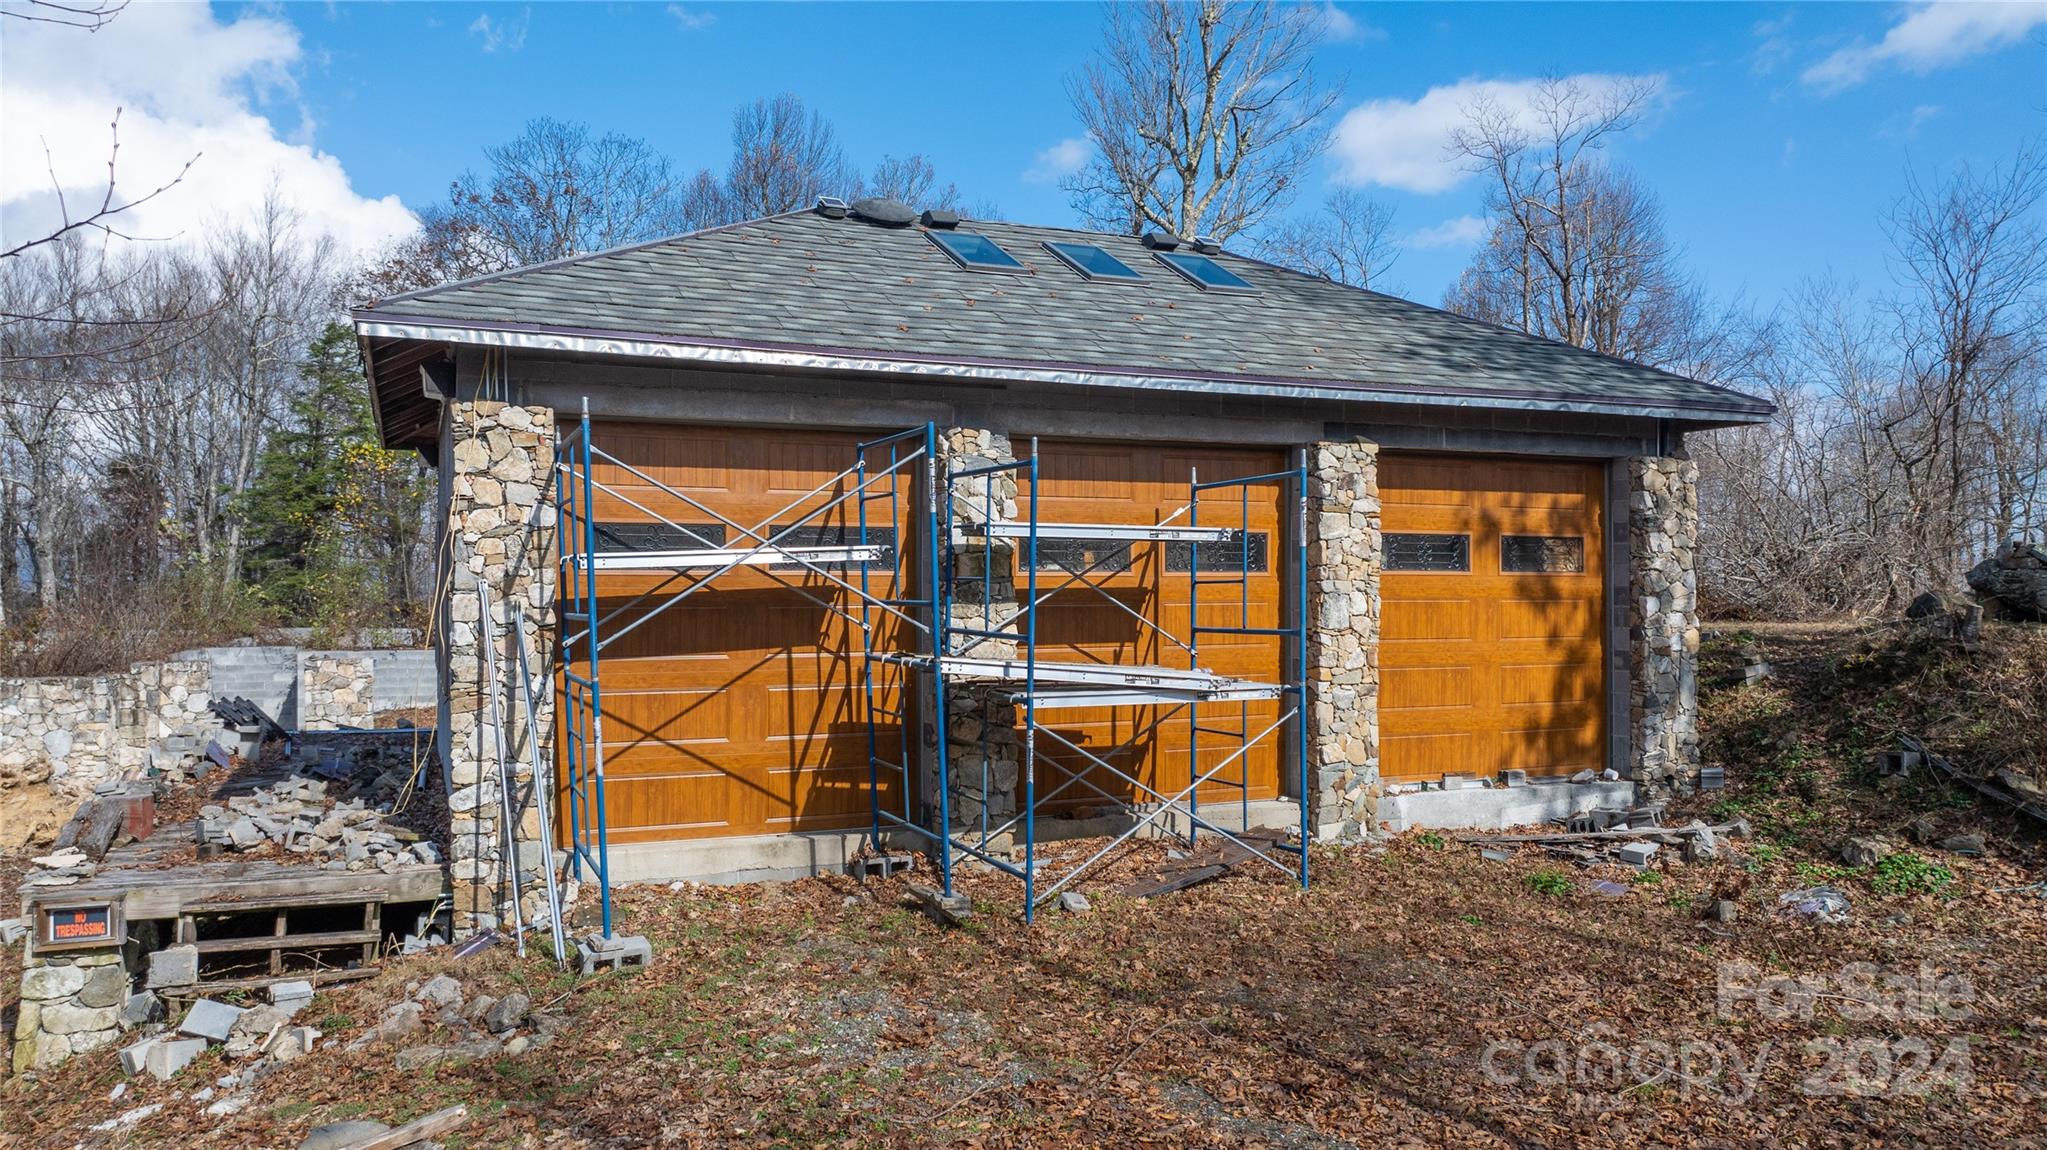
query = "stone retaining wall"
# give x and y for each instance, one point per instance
(337, 689)
(1663, 623)
(1343, 635)
(74, 733)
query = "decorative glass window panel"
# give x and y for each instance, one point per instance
(1223, 555)
(1543, 554)
(1094, 556)
(1412, 551)
(833, 535)
(659, 536)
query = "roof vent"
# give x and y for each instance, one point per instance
(1161, 241)
(831, 207)
(888, 213)
(939, 218)
(1208, 245)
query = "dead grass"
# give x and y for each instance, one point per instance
(1248, 1013)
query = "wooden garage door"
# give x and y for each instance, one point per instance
(740, 710)
(1492, 644)
(1123, 483)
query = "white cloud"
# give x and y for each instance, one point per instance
(692, 21)
(1930, 36)
(508, 35)
(1339, 25)
(185, 85)
(1404, 143)
(1061, 159)
(1774, 45)
(1456, 232)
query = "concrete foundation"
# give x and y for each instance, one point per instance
(782, 858)
(1495, 808)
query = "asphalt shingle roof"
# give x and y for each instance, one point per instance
(803, 281)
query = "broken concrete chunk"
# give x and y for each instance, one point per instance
(292, 995)
(134, 1057)
(1636, 854)
(258, 1021)
(1724, 910)
(165, 1058)
(1965, 844)
(173, 966)
(210, 1020)
(244, 833)
(1074, 902)
(141, 1009)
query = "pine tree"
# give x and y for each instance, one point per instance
(336, 518)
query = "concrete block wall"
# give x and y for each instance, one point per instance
(266, 676)
(404, 679)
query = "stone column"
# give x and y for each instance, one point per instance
(1663, 623)
(982, 746)
(70, 1004)
(1343, 636)
(501, 523)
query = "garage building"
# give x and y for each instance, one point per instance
(1484, 575)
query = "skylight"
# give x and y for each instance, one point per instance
(1203, 272)
(1093, 262)
(975, 251)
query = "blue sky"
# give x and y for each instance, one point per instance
(1782, 134)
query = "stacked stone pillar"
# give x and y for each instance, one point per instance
(1343, 637)
(1663, 623)
(70, 1004)
(501, 526)
(982, 745)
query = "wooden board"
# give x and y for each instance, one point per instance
(147, 885)
(1097, 482)
(1501, 664)
(740, 710)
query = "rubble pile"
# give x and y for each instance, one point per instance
(297, 816)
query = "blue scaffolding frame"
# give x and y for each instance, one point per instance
(1038, 686)
(919, 601)
(881, 473)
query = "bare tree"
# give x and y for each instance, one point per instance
(913, 180)
(1912, 432)
(1576, 250)
(557, 190)
(1350, 240)
(1203, 116)
(784, 156)
(91, 15)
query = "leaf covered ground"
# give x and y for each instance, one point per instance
(1419, 995)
